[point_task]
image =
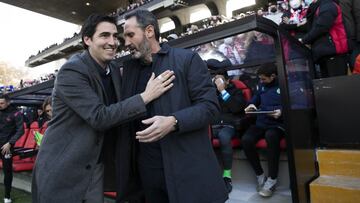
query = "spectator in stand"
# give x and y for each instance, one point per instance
(172, 37)
(11, 129)
(327, 37)
(294, 18)
(232, 105)
(47, 112)
(78, 146)
(269, 126)
(256, 43)
(273, 13)
(228, 49)
(175, 160)
(351, 17)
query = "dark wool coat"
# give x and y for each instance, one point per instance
(191, 169)
(74, 138)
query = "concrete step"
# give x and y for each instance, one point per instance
(339, 163)
(335, 189)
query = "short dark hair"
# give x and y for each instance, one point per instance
(267, 69)
(5, 96)
(46, 102)
(145, 18)
(88, 29)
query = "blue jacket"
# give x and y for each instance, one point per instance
(268, 98)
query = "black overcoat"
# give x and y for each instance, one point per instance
(191, 170)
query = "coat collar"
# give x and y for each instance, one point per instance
(165, 48)
(88, 60)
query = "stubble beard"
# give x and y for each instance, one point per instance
(144, 52)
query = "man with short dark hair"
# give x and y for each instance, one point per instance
(11, 129)
(78, 146)
(171, 148)
(268, 125)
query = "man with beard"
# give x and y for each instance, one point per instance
(78, 146)
(269, 126)
(11, 129)
(172, 155)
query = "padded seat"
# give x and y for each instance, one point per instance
(110, 194)
(235, 142)
(261, 144)
(44, 127)
(29, 148)
(245, 90)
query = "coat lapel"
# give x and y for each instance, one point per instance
(116, 79)
(86, 58)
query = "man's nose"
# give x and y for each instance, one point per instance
(113, 41)
(127, 42)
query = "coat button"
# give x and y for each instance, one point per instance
(88, 167)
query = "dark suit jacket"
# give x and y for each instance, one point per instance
(191, 169)
(74, 138)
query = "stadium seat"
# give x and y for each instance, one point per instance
(261, 144)
(110, 194)
(25, 164)
(235, 142)
(21, 141)
(44, 127)
(245, 90)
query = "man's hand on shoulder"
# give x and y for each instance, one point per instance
(159, 126)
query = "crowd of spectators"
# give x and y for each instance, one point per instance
(41, 79)
(291, 15)
(56, 44)
(132, 6)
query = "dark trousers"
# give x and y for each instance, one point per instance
(153, 182)
(8, 174)
(333, 66)
(272, 137)
(225, 134)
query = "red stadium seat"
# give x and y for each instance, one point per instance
(27, 164)
(235, 142)
(245, 90)
(21, 141)
(44, 127)
(110, 194)
(261, 144)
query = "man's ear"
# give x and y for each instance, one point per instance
(87, 40)
(149, 31)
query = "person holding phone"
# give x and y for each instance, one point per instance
(269, 126)
(232, 105)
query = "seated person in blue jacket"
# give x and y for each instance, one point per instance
(268, 126)
(232, 105)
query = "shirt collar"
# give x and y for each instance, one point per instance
(102, 71)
